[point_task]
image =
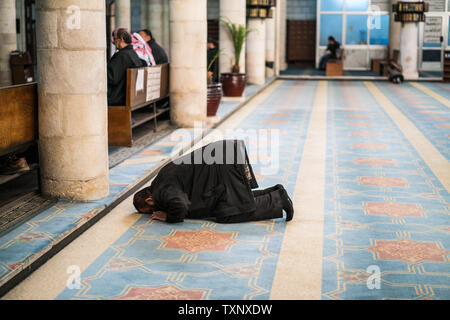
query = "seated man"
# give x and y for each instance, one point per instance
(214, 181)
(158, 52)
(122, 60)
(210, 55)
(160, 57)
(142, 49)
(331, 53)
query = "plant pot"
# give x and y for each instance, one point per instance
(233, 84)
(214, 97)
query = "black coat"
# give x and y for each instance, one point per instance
(158, 52)
(218, 187)
(211, 53)
(333, 48)
(117, 74)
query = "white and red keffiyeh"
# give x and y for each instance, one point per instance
(142, 49)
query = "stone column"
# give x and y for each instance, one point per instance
(20, 14)
(154, 18)
(165, 41)
(144, 13)
(277, 39)
(282, 34)
(409, 49)
(71, 59)
(270, 44)
(8, 39)
(188, 85)
(394, 32)
(234, 11)
(256, 48)
(123, 14)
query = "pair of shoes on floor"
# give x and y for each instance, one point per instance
(14, 165)
(288, 206)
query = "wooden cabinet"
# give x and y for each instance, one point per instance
(301, 41)
(446, 70)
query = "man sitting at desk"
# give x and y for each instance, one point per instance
(122, 60)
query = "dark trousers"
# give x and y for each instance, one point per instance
(323, 61)
(268, 206)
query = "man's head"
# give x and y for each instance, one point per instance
(331, 40)
(121, 38)
(146, 35)
(143, 201)
(211, 44)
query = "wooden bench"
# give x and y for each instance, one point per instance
(18, 118)
(335, 67)
(375, 64)
(145, 87)
(18, 124)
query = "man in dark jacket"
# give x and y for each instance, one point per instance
(122, 60)
(158, 52)
(331, 52)
(214, 181)
(211, 53)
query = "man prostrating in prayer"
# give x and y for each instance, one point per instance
(214, 181)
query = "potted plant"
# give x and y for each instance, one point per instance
(233, 83)
(214, 90)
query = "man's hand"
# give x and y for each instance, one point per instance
(159, 215)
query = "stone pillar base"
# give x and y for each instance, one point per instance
(76, 190)
(411, 75)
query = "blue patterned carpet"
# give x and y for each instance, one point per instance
(385, 210)
(430, 116)
(34, 237)
(202, 259)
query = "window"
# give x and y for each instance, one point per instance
(330, 25)
(356, 32)
(331, 5)
(379, 29)
(356, 5)
(354, 22)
